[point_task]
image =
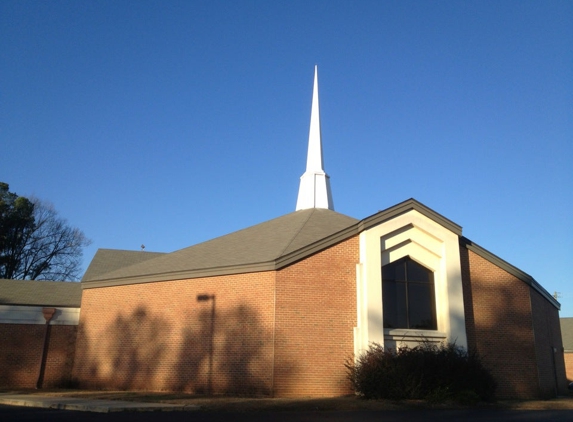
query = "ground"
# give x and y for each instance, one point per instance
(243, 404)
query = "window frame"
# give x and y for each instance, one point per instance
(407, 305)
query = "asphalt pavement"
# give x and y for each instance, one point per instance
(23, 407)
(26, 414)
(88, 405)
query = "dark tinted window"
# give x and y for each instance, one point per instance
(408, 295)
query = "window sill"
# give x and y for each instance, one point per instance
(403, 334)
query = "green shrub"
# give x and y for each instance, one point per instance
(434, 372)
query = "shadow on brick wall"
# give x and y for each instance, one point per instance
(126, 356)
(21, 350)
(241, 354)
(512, 328)
(136, 348)
(20, 353)
(214, 351)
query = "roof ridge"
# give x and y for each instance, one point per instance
(298, 232)
(130, 250)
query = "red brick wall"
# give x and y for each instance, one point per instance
(289, 332)
(549, 347)
(499, 325)
(157, 336)
(21, 349)
(569, 365)
(315, 317)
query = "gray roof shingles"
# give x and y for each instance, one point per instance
(40, 293)
(109, 260)
(261, 243)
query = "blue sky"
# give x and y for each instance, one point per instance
(168, 123)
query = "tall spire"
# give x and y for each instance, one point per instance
(314, 190)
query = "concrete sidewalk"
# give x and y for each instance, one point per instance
(88, 405)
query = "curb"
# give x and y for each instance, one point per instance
(86, 405)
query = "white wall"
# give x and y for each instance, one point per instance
(16, 314)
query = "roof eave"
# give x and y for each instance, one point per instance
(181, 275)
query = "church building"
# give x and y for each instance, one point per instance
(277, 308)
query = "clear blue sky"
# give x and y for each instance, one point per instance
(169, 123)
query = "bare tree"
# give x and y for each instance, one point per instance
(47, 249)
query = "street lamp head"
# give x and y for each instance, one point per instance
(204, 298)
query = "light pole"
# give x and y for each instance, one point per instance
(48, 315)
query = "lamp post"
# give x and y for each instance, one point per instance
(48, 315)
(206, 298)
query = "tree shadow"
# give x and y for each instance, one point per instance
(241, 354)
(127, 355)
(213, 351)
(138, 348)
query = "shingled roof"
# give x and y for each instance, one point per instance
(40, 293)
(106, 261)
(267, 246)
(264, 246)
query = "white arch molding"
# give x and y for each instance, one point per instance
(431, 245)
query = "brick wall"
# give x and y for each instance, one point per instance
(289, 333)
(548, 346)
(499, 325)
(569, 365)
(21, 352)
(157, 336)
(315, 316)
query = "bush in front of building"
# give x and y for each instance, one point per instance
(430, 371)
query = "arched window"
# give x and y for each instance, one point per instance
(408, 295)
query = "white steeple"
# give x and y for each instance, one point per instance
(314, 190)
